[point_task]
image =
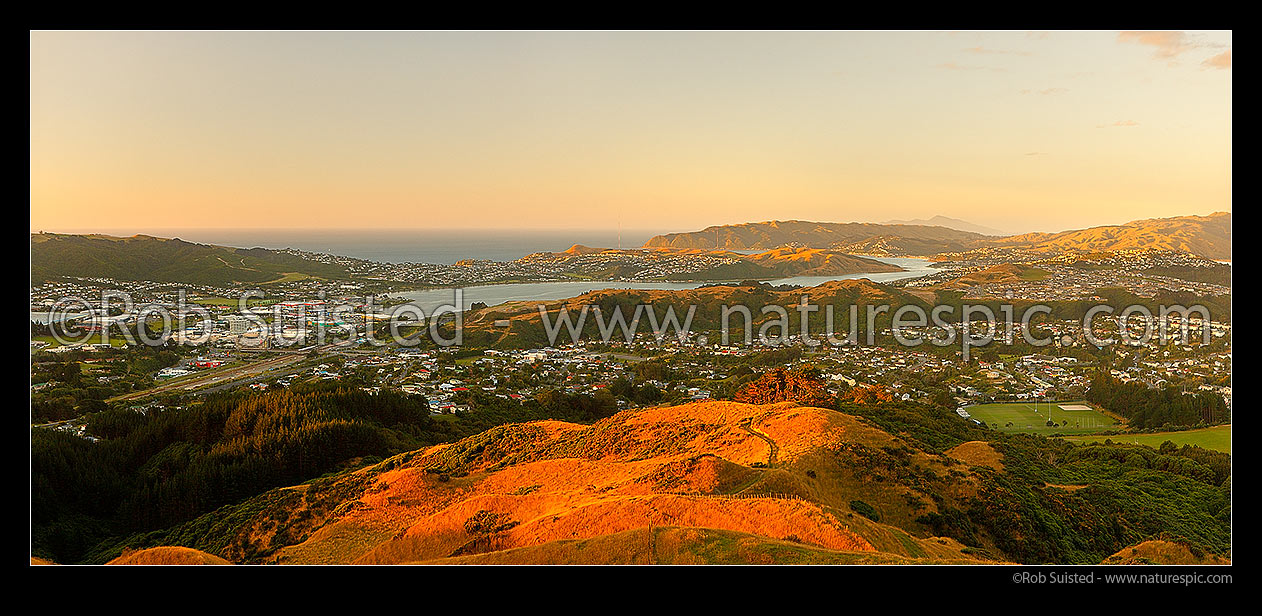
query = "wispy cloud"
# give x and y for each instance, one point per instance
(1036, 153)
(1046, 91)
(965, 67)
(1121, 123)
(982, 50)
(1222, 60)
(1168, 43)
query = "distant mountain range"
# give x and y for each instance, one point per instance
(950, 223)
(1206, 236)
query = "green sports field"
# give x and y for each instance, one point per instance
(116, 339)
(1217, 438)
(1030, 417)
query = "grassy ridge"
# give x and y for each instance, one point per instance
(142, 257)
(1049, 502)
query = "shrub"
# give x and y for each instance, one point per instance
(865, 510)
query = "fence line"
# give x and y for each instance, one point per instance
(739, 496)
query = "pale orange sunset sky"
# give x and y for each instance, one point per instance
(667, 131)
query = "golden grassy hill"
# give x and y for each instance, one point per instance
(526, 328)
(819, 262)
(1159, 552)
(1004, 273)
(579, 249)
(711, 482)
(1207, 236)
(685, 546)
(977, 453)
(168, 555)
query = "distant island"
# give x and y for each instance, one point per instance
(950, 223)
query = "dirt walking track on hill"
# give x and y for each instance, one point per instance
(748, 426)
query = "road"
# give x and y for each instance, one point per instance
(223, 377)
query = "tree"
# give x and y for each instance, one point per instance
(652, 371)
(647, 394)
(622, 387)
(867, 394)
(802, 385)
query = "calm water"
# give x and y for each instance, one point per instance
(431, 299)
(914, 267)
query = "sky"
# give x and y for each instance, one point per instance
(665, 131)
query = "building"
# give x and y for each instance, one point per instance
(236, 324)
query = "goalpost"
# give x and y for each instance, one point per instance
(1049, 407)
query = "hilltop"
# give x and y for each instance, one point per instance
(783, 263)
(707, 482)
(168, 555)
(526, 327)
(519, 324)
(144, 257)
(579, 249)
(1002, 273)
(727, 482)
(1207, 236)
(819, 262)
